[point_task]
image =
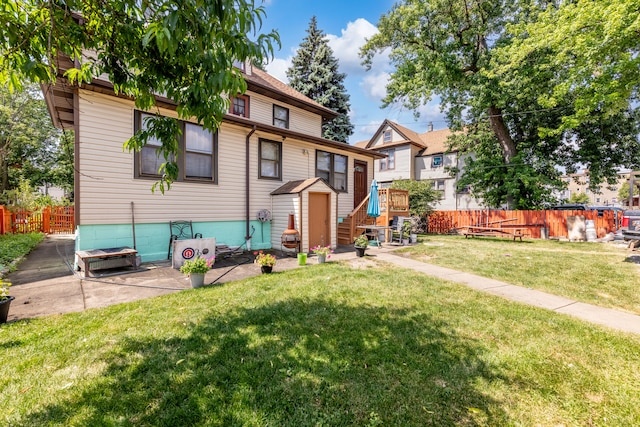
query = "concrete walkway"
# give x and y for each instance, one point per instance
(45, 283)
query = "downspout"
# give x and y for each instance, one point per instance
(247, 235)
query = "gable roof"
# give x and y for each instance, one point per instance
(431, 142)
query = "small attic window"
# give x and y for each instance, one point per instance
(239, 65)
(386, 136)
(436, 161)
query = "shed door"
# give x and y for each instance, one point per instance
(319, 224)
(360, 189)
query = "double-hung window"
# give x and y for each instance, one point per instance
(333, 168)
(270, 159)
(280, 117)
(197, 153)
(240, 106)
(389, 162)
(386, 136)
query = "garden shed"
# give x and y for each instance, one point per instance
(313, 203)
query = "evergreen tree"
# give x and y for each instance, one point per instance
(314, 72)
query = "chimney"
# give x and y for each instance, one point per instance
(430, 127)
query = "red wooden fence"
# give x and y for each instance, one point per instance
(50, 220)
(530, 222)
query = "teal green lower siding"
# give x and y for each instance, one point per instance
(152, 240)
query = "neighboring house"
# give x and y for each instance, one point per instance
(270, 137)
(410, 155)
(605, 195)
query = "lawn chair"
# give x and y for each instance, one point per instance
(181, 230)
(396, 230)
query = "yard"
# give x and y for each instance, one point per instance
(325, 345)
(604, 274)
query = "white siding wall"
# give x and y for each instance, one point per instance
(261, 111)
(107, 184)
(403, 169)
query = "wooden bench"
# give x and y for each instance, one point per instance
(103, 259)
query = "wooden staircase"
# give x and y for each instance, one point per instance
(392, 203)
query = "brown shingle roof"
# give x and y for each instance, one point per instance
(435, 141)
(294, 187)
(265, 84)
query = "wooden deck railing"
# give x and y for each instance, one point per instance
(50, 220)
(392, 203)
(531, 222)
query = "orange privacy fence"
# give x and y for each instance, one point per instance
(50, 220)
(531, 223)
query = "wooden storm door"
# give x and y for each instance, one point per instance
(360, 189)
(319, 219)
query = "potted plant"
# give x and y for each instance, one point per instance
(360, 243)
(196, 268)
(5, 300)
(323, 253)
(265, 261)
(406, 230)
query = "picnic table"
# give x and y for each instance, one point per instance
(473, 231)
(102, 259)
(493, 229)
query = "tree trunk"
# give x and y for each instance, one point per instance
(501, 132)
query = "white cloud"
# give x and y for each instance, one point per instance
(371, 127)
(375, 85)
(346, 47)
(278, 68)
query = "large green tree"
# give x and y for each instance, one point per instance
(314, 72)
(30, 147)
(517, 119)
(184, 50)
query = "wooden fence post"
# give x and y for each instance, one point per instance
(46, 220)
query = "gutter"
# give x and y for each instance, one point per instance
(246, 189)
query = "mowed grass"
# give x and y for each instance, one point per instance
(323, 345)
(603, 274)
(13, 246)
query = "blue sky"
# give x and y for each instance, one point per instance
(347, 25)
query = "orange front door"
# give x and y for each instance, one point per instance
(319, 215)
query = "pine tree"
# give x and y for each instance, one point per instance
(314, 72)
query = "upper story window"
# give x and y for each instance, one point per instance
(197, 153)
(333, 168)
(436, 161)
(386, 136)
(270, 159)
(390, 162)
(280, 117)
(240, 106)
(438, 185)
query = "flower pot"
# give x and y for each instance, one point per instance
(197, 279)
(302, 258)
(413, 238)
(405, 241)
(322, 259)
(266, 269)
(4, 309)
(360, 251)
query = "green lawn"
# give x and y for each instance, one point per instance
(13, 246)
(324, 345)
(603, 274)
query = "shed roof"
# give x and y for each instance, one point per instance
(295, 187)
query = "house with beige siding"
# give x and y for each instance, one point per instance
(419, 156)
(270, 137)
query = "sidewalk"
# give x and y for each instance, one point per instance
(45, 283)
